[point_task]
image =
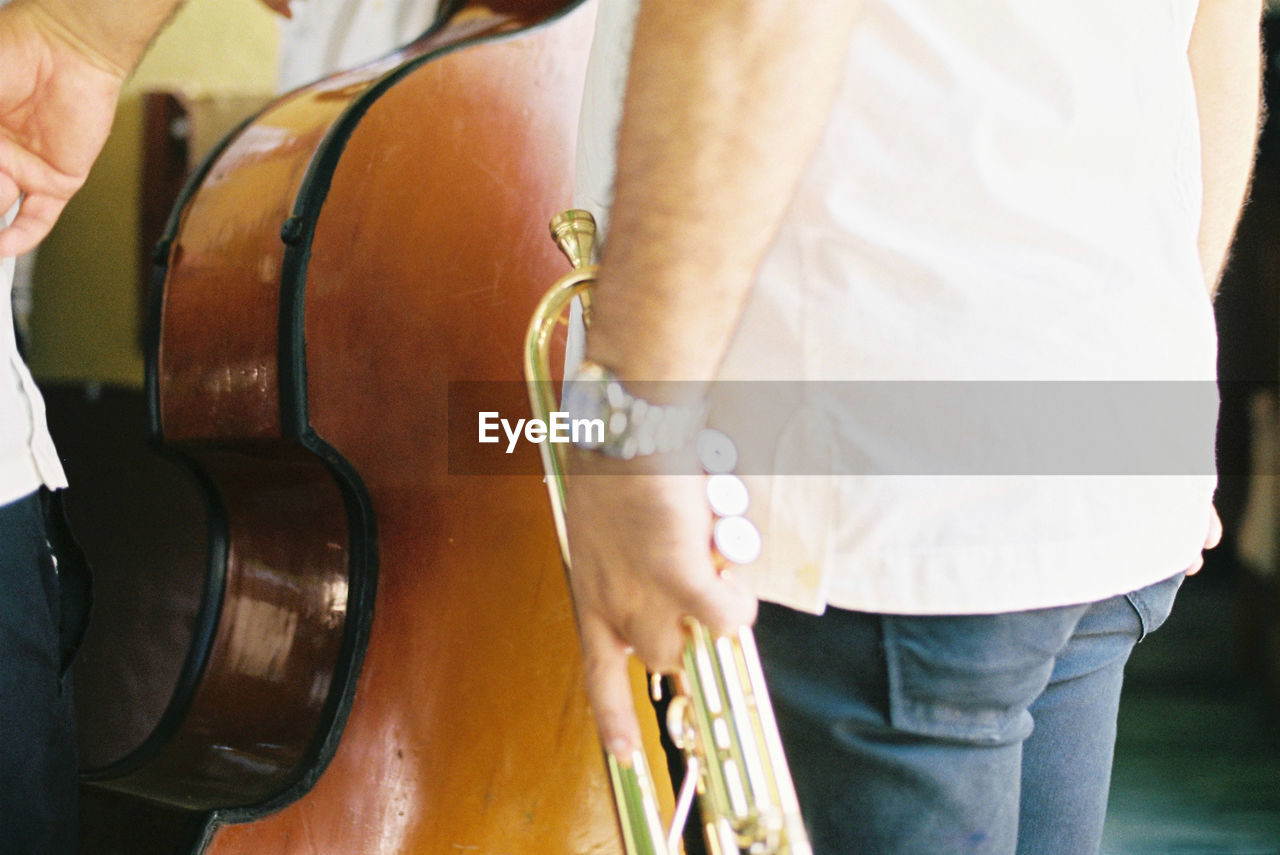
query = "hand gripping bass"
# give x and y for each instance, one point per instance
(720, 717)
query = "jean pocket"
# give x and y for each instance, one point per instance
(971, 678)
(1154, 603)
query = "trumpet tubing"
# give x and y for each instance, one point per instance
(720, 716)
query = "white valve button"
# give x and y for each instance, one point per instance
(737, 539)
(727, 495)
(716, 452)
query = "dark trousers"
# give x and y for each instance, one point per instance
(37, 725)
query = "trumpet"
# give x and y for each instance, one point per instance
(720, 716)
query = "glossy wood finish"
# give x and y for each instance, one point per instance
(470, 692)
(353, 251)
(252, 712)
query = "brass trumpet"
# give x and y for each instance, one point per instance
(720, 717)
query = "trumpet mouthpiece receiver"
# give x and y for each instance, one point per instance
(574, 232)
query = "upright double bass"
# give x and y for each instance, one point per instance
(384, 658)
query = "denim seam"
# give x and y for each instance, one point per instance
(1144, 618)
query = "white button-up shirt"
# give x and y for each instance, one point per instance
(27, 456)
(999, 220)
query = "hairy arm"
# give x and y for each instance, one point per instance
(64, 62)
(1225, 63)
(725, 102)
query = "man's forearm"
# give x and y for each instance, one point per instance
(110, 33)
(725, 102)
(1225, 56)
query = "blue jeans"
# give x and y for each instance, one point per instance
(957, 734)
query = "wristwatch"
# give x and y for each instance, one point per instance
(633, 427)
(622, 425)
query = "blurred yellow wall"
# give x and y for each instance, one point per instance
(86, 321)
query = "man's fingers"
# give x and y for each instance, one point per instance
(9, 194)
(34, 221)
(608, 686)
(720, 602)
(717, 598)
(44, 189)
(44, 194)
(1214, 537)
(1211, 539)
(658, 643)
(280, 7)
(656, 628)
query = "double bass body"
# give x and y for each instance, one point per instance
(386, 659)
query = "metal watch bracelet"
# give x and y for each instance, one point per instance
(632, 426)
